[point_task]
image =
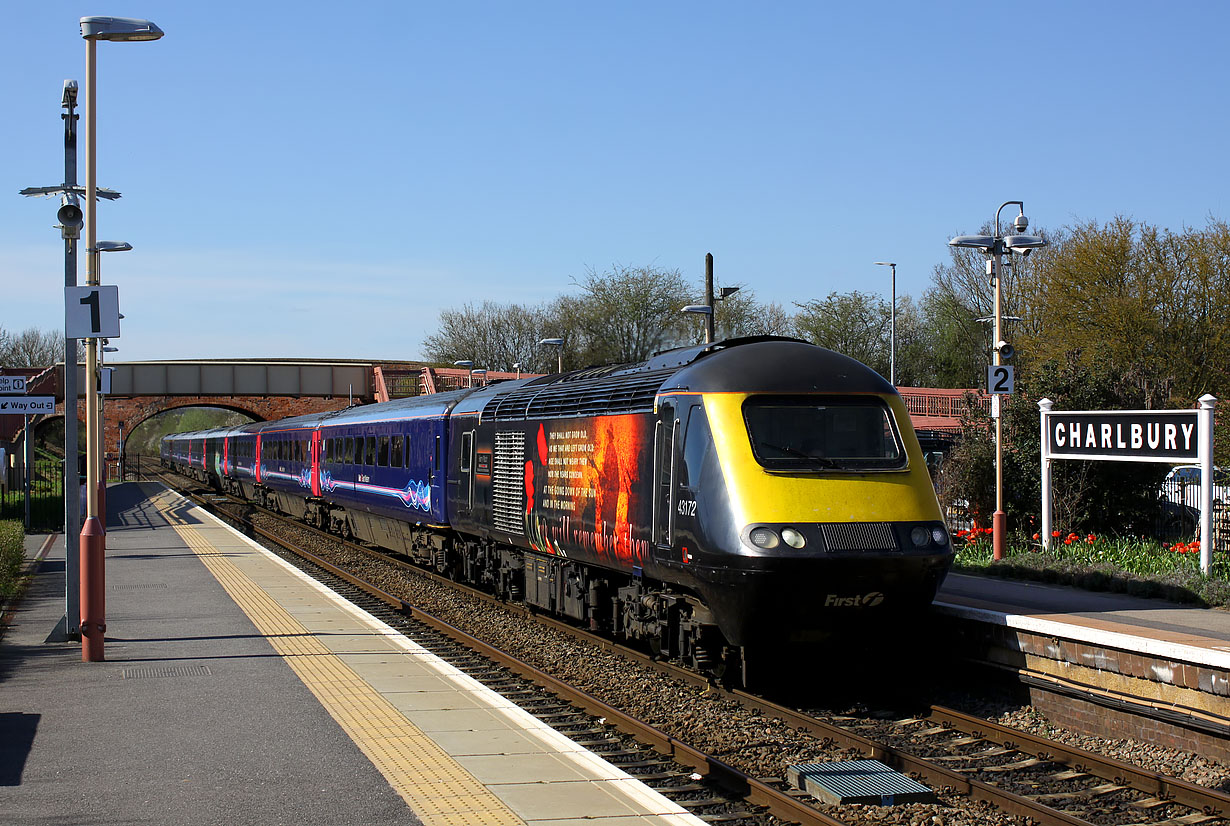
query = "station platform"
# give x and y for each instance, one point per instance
(236, 690)
(1112, 665)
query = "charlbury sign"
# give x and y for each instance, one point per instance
(1123, 435)
(1176, 437)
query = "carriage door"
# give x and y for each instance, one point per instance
(314, 462)
(666, 431)
(467, 471)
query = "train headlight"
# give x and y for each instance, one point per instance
(765, 538)
(920, 536)
(939, 536)
(793, 538)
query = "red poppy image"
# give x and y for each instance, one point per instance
(529, 486)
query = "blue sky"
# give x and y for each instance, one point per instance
(297, 184)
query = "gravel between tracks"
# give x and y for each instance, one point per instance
(759, 745)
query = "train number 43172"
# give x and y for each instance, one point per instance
(686, 507)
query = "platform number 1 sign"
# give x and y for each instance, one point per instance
(999, 379)
(92, 312)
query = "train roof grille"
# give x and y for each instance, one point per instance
(628, 393)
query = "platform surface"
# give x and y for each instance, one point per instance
(1151, 626)
(235, 690)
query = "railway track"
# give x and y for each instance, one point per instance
(1024, 777)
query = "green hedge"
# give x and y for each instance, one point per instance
(12, 554)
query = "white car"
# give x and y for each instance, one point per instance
(1182, 486)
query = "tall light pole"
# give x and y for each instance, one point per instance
(994, 247)
(702, 309)
(93, 541)
(892, 327)
(555, 342)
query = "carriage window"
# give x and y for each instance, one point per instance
(383, 455)
(370, 458)
(348, 451)
(799, 434)
(398, 450)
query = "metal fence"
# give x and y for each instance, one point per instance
(46, 495)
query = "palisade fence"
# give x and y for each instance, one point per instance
(46, 494)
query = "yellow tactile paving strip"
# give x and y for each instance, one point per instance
(435, 786)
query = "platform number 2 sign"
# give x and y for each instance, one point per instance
(92, 312)
(999, 379)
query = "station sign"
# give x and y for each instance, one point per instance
(27, 405)
(1168, 436)
(92, 312)
(12, 384)
(999, 379)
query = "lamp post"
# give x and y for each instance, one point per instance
(559, 356)
(93, 541)
(892, 327)
(994, 247)
(481, 372)
(469, 366)
(705, 310)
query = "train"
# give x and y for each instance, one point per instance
(707, 502)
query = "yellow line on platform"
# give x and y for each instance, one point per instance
(435, 786)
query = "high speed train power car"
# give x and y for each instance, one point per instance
(709, 501)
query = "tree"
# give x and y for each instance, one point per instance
(31, 348)
(855, 324)
(494, 336)
(1149, 301)
(623, 315)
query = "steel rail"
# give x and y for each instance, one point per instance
(1170, 789)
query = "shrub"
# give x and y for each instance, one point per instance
(12, 555)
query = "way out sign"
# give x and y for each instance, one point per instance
(1175, 437)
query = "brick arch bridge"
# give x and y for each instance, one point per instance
(123, 415)
(264, 389)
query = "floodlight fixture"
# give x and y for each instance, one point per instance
(559, 354)
(727, 292)
(983, 242)
(699, 309)
(113, 246)
(119, 29)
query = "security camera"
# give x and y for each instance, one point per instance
(1020, 223)
(70, 93)
(1006, 351)
(70, 217)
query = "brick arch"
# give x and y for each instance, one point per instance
(133, 411)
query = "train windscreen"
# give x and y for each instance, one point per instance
(798, 434)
